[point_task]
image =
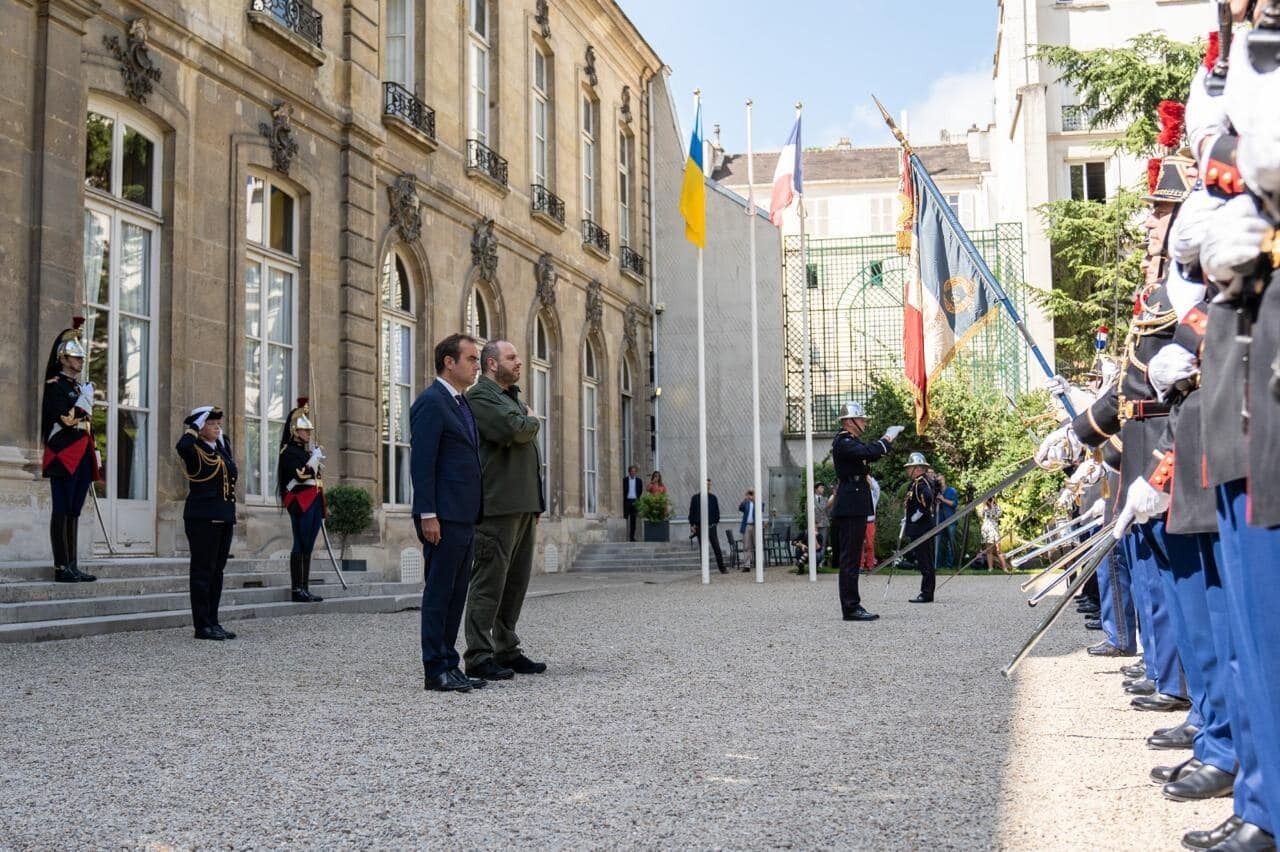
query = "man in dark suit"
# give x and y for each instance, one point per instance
(632, 488)
(448, 501)
(713, 518)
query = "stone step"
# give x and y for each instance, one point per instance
(132, 567)
(47, 590)
(71, 628)
(77, 608)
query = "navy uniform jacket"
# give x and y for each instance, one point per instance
(211, 479)
(444, 459)
(1264, 410)
(919, 501)
(695, 509)
(292, 468)
(65, 443)
(852, 460)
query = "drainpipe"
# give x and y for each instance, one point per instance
(654, 402)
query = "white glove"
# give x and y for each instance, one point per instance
(893, 432)
(1192, 222)
(1141, 503)
(1060, 448)
(1206, 117)
(85, 401)
(1099, 506)
(1058, 386)
(917, 516)
(1258, 158)
(1066, 498)
(1234, 237)
(317, 456)
(1087, 474)
(1170, 365)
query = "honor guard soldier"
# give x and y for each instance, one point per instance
(852, 460)
(918, 513)
(302, 492)
(209, 514)
(70, 460)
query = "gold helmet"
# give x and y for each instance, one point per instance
(299, 418)
(68, 344)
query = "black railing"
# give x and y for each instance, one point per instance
(632, 261)
(546, 202)
(399, 102)
(486, 161)
(294, 14)
(594, 236)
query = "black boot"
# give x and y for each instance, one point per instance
(306, 579)
(62, 572)
(73, 549)
(295, 578)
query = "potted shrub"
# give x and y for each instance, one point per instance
(656, 511)
(350, 513)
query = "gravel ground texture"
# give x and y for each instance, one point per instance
(672, 716)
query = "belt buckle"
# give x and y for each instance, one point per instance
(1126, 410)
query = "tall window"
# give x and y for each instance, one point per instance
(270, 318)
(588, 158)
(479, 324)
(1088, 181)
(541, 117)
(884, 214)
(540, 397)
(122, 219)
(397, 379)
(590, 431)
(398, 43)
(628, 414)
(478, 70)
(624, 188)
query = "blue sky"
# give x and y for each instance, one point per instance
(929, 57)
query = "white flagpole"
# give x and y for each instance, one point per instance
(704, 527)
(808, 381)
(757, 543)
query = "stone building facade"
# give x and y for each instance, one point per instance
(254, 200)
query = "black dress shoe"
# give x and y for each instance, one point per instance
(1180, 737)
(1207, 782)
(444, 683)
(1212, 837)
(82, 576)
(1134, 670)
(520, 664)
(472, 682)
(860, 614)
(1106, 649)
(226, 634)
(210, 633)
(1247, 838)
(1160, 703)
(920, 599)
(65, 575)
(489, 670)
(1093, 624)
(300, 596)
(1088, 609)
(1141, 686)
(1162, 775)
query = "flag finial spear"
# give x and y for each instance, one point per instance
(893, 128)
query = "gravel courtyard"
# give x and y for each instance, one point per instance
(673, 715)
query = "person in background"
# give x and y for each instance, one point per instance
(991, 534)
(919, 520)
(747, 529)
(655, 483)
(713, 518)
(632, 487)
(869, 542)
(947, 500)
(302, 494)
(820, 517)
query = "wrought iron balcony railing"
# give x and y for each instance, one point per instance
(295, 15)
(595, 237)
(399, 102)
(546, 202)
(632, 261)
(486, 161)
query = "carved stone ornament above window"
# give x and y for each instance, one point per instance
(545, 270)
(543, 18)
(484, 248)
(625, 109)
(136, 67)
(631, 325)
(595, 305)
(592, 77)
(279, 133)
(406, 213)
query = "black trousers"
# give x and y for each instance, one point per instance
(210, 545)
(715, 545)
(849, 533)
(923, 555)
(629, 512)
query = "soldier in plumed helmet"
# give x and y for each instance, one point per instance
(302, 492)
(70, 460)
(919, 516)
(209, 514)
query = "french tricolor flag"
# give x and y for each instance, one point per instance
(786, 177)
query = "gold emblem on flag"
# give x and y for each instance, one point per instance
(958, 294)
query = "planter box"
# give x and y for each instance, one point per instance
(657, 531)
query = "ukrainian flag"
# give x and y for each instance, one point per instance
(693, 191)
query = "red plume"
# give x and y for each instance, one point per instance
(1211, 54)
(303, 400)
(1153, 174)
(1172, 121)
(76, 322)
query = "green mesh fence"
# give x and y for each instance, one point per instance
(855, 288)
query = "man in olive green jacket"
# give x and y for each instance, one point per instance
(511, 469)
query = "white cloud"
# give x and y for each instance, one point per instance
(954, 102)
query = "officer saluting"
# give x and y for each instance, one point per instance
(302, 493)
(852, 459)
(209, 514)
(70, 460)
(919, 515)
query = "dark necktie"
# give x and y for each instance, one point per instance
(469, 418)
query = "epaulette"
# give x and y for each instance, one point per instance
(1163, 472)
(1221, 175)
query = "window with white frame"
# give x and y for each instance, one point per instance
(590, 431)
(883, 214)
(540, 399)
(628, 414)
(1088, 181)
(271, 276)
(588, 135)
(478, 316)
(478, 71)
(397, 43)
(396, 379)
(818, 213)
(540, 123)
(625, 153)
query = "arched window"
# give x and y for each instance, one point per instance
(590, 431)
(396, 379)
(628, 412)
(540, 397)
(479, 316)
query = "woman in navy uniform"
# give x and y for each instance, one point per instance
(209, 514)
(302, 492)
(919, 515)
(70, 460)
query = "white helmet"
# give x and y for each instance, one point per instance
(851, 410)
(916, 459)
